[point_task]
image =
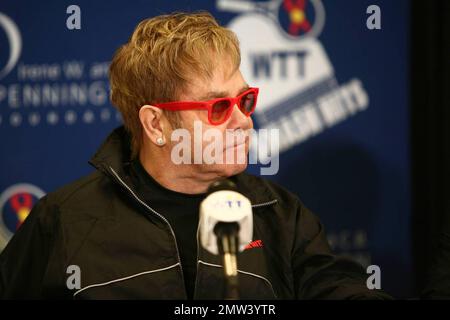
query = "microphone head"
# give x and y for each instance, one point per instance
(225, 204)
(225, 184)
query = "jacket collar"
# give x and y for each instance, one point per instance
(115, 153)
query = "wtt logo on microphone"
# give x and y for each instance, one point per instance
(230, 204)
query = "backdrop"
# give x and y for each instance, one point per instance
(335, 89)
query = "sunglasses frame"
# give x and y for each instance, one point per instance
(208, 105)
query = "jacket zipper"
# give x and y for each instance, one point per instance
(160, 216)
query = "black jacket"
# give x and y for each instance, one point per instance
(127, 250)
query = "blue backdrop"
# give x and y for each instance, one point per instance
(336, 90)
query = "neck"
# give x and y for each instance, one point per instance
(180, 178)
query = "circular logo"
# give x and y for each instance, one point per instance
(300, 18)
(16, 203)
(15, 43)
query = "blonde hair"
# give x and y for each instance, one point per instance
(161, 58)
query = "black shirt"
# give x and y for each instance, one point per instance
(182, 212)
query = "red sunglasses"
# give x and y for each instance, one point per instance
(219, 110)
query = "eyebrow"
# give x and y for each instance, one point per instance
(221, 94)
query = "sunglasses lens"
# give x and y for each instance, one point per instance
(247, 103)
(219, 111)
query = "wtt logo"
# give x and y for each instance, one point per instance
(281, 54)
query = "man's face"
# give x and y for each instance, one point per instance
(224, 83)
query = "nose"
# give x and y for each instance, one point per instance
(239, 120)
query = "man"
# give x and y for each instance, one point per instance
(130, 227)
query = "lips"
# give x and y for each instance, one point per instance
(235, 145)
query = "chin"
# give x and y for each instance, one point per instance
(229, 170)
(225, 170)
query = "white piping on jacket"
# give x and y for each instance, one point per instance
(125, 278)
(244, 272)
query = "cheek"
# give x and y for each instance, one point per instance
(200, 115)
(214, 131)
(187, 118)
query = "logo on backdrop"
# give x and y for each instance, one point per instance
(15, 205)
(15, 44)
(66, 92)
(281, 54)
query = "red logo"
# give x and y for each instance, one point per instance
(254, 244)
(297, 16)
(16, 203)
(21, 203)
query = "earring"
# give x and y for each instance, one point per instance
(160, 141)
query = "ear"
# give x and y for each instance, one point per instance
(152, 122)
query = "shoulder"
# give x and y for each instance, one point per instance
(80, 189)
(260, 190)
(84, 197)
(287, 204)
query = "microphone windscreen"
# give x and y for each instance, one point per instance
(225, 184)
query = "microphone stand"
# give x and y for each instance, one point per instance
(227, 242)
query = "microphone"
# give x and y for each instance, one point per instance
(226, 227)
